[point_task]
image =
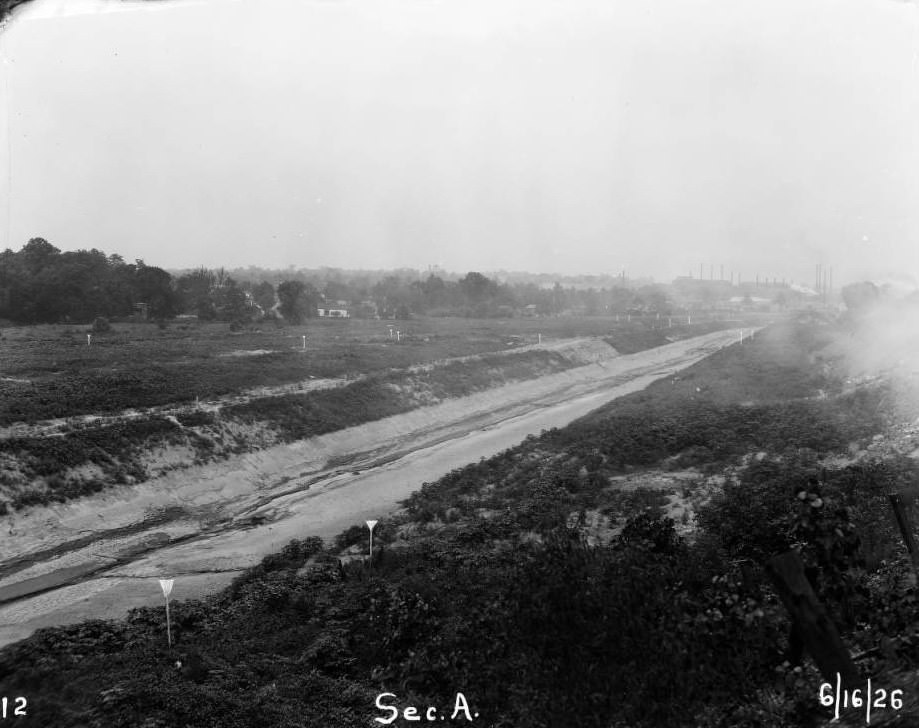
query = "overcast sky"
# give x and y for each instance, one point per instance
(550, 136)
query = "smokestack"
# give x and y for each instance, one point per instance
(722, 271)
(701, 271)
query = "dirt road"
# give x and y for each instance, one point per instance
(101, 556)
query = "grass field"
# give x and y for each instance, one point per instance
(50, 371)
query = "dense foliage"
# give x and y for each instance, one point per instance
(42, 284)
(87, 457)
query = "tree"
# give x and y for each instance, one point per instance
(230, 302)
(434, 291)
(153, 286)
(40, 284)
(298, 300)
(194, 291)
(264, 296)
(477, 288)
(37, 254)
(393, 295)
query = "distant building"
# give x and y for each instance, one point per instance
(333, 313)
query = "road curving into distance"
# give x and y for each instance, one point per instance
(101, 556)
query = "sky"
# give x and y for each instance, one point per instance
(559, 136)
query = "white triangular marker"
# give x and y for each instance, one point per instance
(371, 524)
(166, 586)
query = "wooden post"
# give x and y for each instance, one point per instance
(168, 624)
(819, 634)
(166, 586)
(370, 525)
(906, 530)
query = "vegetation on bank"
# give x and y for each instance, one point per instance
(143, 369)
(486, 585)
(85, 459)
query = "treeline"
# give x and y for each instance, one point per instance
(41, 284)
(403, 293)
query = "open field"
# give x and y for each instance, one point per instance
(50, 371)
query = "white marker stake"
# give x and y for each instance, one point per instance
(741, 336)
(304, 343)
(166, 586)
(370, 525)
(540, 338)
(398, 336)
(89, 339)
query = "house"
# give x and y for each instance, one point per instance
(333, 313)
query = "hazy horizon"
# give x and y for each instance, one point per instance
(546, 137)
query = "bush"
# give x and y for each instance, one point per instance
(101, 325)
